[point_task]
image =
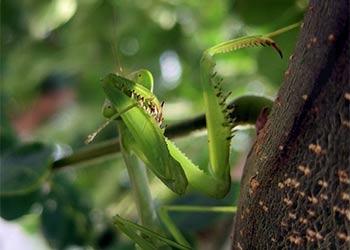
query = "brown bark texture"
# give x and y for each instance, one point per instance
(295, 189)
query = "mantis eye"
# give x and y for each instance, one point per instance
(108, 109)
(143, 77)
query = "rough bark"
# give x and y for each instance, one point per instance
(295, 190)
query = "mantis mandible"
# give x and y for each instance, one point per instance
(131, 102)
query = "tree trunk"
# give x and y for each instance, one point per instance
(295, 190)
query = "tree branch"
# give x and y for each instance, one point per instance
(296, 181)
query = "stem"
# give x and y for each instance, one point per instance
(89, 153)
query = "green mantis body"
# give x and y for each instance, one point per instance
(139, 115)
(140, 128)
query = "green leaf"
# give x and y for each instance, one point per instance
(13, 207)
(8, 138)
(24, 168)
(65, 218)
(253, 12)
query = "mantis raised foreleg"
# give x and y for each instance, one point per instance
(139, 113)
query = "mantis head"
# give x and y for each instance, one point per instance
(137, 86)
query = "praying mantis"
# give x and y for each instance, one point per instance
(131, 102)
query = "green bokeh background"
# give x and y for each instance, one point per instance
(87, 39)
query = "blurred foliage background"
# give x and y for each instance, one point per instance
(53, 54)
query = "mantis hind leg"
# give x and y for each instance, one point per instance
(175, 232)
(145, 237)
